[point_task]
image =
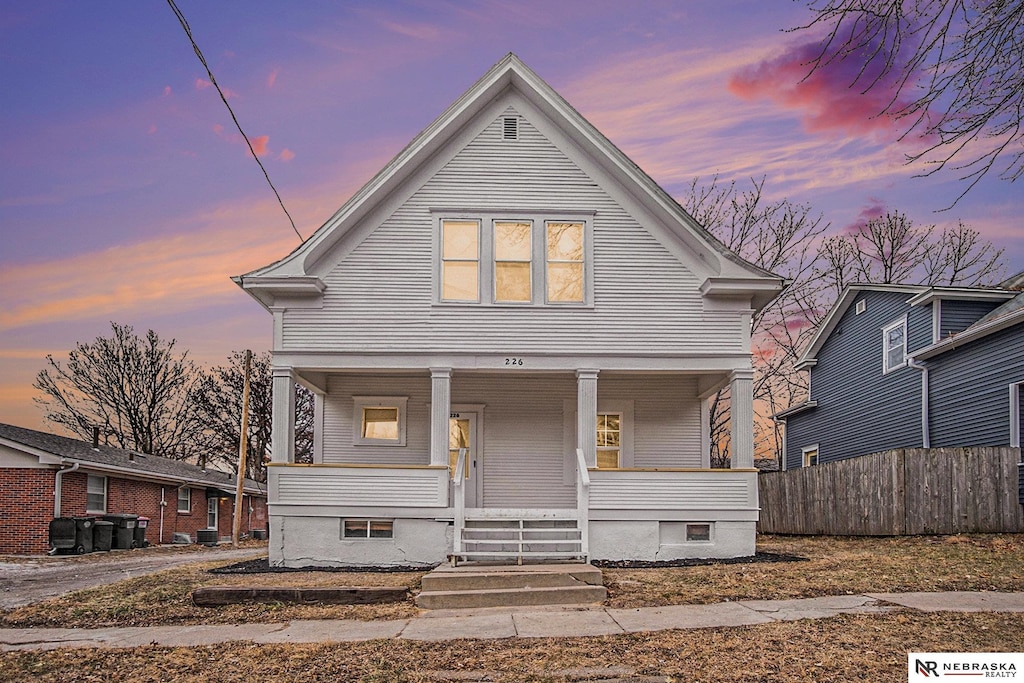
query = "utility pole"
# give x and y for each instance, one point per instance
(243, 446)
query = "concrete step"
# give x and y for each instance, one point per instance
(511, 597)
(470, 577)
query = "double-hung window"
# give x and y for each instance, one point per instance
(96, 494)
(609, 440)
(894, 345)
(530, 260)
(184, 499)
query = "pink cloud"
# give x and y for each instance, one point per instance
(873, 209)
(152, 128)
(272, 78)
(203, 84)
(218, 129)
(259, 144)
(831, 98)
(286, 155)
(167, 91)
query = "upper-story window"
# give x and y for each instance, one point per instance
(514, 260)
(894, 345)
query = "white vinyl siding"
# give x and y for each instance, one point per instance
(894, 345)
(342, 425)
(383, 293)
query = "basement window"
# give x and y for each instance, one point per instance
(367, 528)
(698, 532)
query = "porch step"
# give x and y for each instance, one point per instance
(542, 535)
(511, 586)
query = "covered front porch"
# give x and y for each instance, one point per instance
(417, 467)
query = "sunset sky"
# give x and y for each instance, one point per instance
(127, 195)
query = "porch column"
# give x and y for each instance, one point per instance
(705, 433)
(440, 412)
(741, 390)
(282, 437)
(586, 415)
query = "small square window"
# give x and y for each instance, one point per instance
(367, 528)
(698, 532)
(379, 420)
(862, 306)
(810, 456)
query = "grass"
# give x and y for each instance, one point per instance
(843, 648)
(833, 566)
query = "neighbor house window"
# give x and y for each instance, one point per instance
(609, 440)
(379, 420)
(565, 262)
(367, 528)
(534, 259)
(894, 345)
(184, 499)
(211, 512)
(810, 454)
(460, 261)
(96, 494)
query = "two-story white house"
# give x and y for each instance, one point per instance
(512, 334)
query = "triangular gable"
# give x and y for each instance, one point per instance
(722, 272)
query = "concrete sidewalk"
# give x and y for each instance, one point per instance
(515, 622)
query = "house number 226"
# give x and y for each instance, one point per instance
(513, 361)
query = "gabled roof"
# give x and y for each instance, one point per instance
(839, 308)
(52, 449)
(1009, 314)
(726, 274)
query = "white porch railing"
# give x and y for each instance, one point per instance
(406, 486)
(583, 503)
(662, 490)
(458, 482)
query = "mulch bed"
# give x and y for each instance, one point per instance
(645, 564)
(262, 566)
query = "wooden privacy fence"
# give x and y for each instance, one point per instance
(895, 493)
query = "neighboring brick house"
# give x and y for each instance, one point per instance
(43, 476)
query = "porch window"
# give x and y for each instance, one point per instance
(96, 494)
(609, 440)
(184, 499)
(894, 345)
(565, 262)
(513, 256)
(367, 528)
(379, 420)
(460, 261)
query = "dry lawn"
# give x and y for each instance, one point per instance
(845, 648)
(833, 566)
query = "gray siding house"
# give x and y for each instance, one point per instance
(898, 366)
(512, 334)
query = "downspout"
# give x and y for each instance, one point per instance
(926, 438)
(163, 504)
(58, 478)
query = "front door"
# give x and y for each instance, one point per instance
(462, 433)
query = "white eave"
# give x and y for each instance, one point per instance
(960, 294)
(743, 278)
(759, 290)
(799, 408)
(270, 289)
(972, 333)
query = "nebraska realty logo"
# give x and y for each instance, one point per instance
(927, 666)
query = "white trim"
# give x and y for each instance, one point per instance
(810, 449)
(359, 403)
(960, 294)
(901, 322)
(1015, 413)
(975, 331)
(936, 321)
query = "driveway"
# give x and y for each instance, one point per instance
(27, 580)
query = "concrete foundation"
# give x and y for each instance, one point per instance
(317, 542)
(653, 541)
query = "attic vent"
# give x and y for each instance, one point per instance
(510, 128)
(861, 306)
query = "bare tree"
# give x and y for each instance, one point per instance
(134, 388)
(780, 237)
(892, 249)
(952, 69)
(218, 401)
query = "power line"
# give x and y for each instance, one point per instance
(199, 54)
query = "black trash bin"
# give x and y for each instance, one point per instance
(140, 532)
(71, 534)
(124, 530)
(102, 535)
